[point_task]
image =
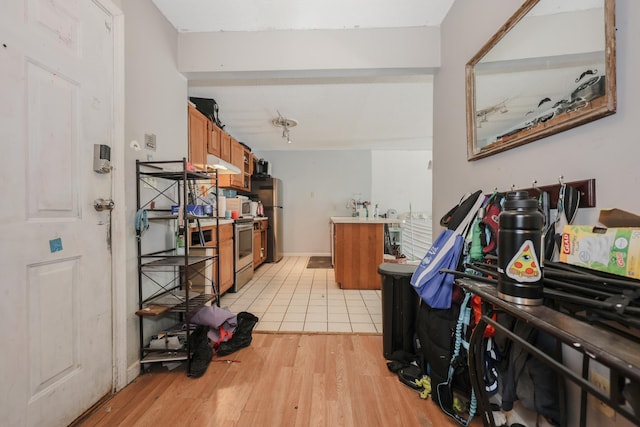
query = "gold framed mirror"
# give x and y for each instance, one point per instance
(551, 67)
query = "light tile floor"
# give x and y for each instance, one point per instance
(288, 297)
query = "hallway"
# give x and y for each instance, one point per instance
(299, 379)
(288, 297)
(294, 377)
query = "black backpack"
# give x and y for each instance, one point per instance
(242, 335)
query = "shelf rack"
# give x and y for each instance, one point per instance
(164, 275)
(592, 344)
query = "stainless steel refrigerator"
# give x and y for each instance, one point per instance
(268, 190)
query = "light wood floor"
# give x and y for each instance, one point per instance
(279, 380)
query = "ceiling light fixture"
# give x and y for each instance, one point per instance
(285, 124)
(482, 116)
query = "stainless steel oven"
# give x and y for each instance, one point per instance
(243, 235)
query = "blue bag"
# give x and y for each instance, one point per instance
(434, 287)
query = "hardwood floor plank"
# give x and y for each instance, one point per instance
(132, 402)
(234, 396)
(343, 390)
(279, 380)
(313, 404)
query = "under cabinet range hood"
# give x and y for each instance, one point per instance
(224, 168)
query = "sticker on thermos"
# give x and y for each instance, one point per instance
(524, 266)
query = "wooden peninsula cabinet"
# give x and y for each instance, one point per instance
(358, 250)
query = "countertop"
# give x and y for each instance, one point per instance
(357, 220)
(205, 222)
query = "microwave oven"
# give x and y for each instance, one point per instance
(242, 205)
(246, 208)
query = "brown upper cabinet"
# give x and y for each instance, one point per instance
(249, 161)
(237, 159)
(214, 142)
(199, 137)
(241, 157)
(225, 146)
(248, 168)
(205, 137)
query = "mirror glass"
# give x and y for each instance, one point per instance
(551, 67)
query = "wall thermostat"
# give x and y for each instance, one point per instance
(101, 158)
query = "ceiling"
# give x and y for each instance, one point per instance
(265, 15)
(357, 112)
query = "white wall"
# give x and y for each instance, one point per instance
(607, 150)
(156, 103)
(317, 185)
(400, 178)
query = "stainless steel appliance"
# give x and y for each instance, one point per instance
(243, 252)
(268, 190)
(240, 204)
(246, 209)
(253, 209)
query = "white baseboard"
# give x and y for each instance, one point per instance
(133, 372)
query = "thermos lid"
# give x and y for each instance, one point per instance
(520, 200)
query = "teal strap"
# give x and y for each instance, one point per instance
(142, 221)
(463, 321)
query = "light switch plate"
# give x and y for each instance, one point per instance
(150, 141)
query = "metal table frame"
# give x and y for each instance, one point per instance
(620, 355)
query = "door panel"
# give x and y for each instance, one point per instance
(57, 87)
(52, 144)
(53, 347)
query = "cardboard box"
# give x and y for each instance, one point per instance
(612, 250)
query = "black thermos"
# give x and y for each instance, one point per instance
(520, 227)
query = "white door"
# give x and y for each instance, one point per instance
(56, 98)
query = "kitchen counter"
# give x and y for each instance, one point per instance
(358, 250)
(204, 222)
